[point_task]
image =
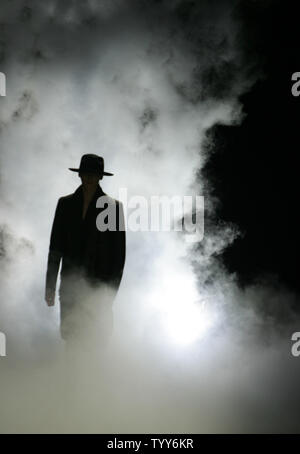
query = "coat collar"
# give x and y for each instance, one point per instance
(78, 203)
(79, 192)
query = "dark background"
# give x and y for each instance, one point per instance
(253, 169)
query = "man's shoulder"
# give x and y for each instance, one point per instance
(69, 197)
(66, 202)
(65, 199)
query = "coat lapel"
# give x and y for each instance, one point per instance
(91, 211)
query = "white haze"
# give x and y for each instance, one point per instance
(110, 89)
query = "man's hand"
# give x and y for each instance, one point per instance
(50, 297)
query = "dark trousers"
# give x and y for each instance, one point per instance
(86, 314)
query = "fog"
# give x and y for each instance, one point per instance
(191, 352)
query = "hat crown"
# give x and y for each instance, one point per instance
(91, 163)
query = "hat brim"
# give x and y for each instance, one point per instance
(104, 173)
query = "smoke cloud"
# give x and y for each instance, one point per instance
(140, 84)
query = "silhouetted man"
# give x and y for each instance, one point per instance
(92, 260)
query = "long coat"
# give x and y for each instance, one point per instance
(97, 257)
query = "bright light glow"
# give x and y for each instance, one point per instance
(188, 324)
(185, 317)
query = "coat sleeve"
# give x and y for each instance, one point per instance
(55, 248)
(120, 245)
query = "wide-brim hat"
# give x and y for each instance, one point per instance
(91, 163)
